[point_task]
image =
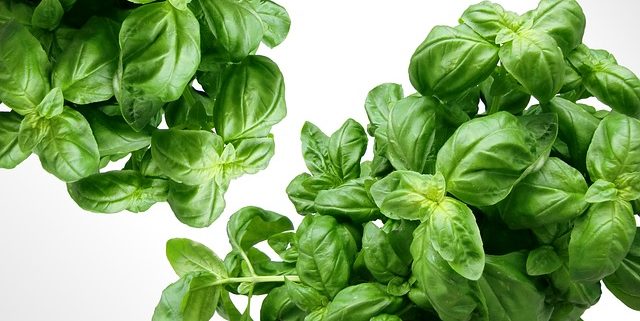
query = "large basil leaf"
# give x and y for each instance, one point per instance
(615, 149)
(553, 194)
(114, 136)
(69, 151)
(600, 240)
(251, 225)
(506, 274)
(456, 238)
(563, 20)
(189, 299)
(275, 21)
(22, 91)
(614, 85)
(575, 127)
(408, 195)
(493, 152)
(192, 157)
(416, 130)
(362, 302)
(278, 306)
(197, 206)
(47, 14)
(117, 191)
(451, 60)
(187, 256)
(315, 149)
(625, 282)
(236, 25)
(85, 69)
(531, 48)
(349, 201)
(488, 19)
(346, 147)
(379, 102)
(326, 252)
(384, 260)
(251, 99)
(452, 296)
(15, 10)
(160, 53)
(11, 155)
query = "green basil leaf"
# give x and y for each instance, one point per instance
(235, 26)
(386, 317)
(197, 206)
(275, 22)
(278, 306)
(624, 283)
(561, 19)
(15, 10)
(192, 111)
(362, 302)
(47, 14)
(601, 191)
(532, 48)
(251, 156)
(11, 154)
(251, 99)
(33, 129)
(114, 136)
(117, 191)
(488, 19)
(628, 185)
(87, 65)
(52, 104)
(493, 152)
(302, 195)
(189, 299)
(315, 149)
(251, 225)
(305, 297)
(456, 237)
(378, 104)
(452, 296)
(451, 60)
(381, 258)
(180, 4)
(575, 127)
(69, 151)
(409, 195)
(554, 194)
(416, 131)
(155, 66)
(600, 240)
(346, 148)
(614, 150)
(22, 91)
(350, 201)
(192, 157)
(187, 256)
(326, 252)
(542, 261)
(507, 274)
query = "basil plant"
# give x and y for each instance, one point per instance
(175, 88)
(479, 203)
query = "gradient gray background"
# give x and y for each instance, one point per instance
(58, 262)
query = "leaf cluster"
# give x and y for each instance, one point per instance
(90, 82)
(477, 204)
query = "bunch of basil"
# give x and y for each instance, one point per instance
(90, 82)
(515, 213)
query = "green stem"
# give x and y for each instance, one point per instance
(257, 279)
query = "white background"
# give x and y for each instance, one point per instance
(58, 262)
